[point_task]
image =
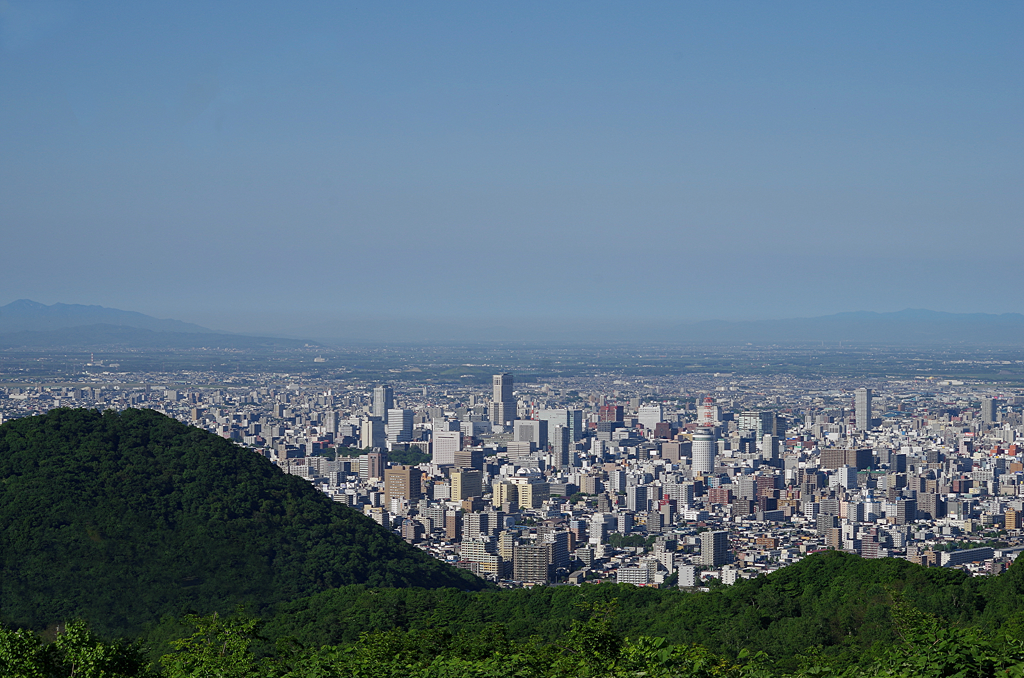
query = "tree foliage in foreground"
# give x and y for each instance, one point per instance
(230, 647)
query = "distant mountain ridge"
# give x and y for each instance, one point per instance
(28, 324)
(25, 315)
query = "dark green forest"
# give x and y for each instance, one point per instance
(135, 546)
(124, 518)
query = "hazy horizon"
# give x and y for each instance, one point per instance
(256, 167)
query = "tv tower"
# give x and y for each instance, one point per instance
(708, 417)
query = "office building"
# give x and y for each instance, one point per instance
(636, 498)
(503, 492)
(532, 493)
(847, 477)
(472, 458)
(375, 463)
(573, 419)
(835, 457)
(760, 423)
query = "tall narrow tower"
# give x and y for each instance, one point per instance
(862, 408)
(383, 400)
(503, 404)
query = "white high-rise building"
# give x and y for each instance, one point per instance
(399, 426)
(847, 477)
(687, 576)
(862, 405)
(446, 444)
(650, 416)
(703, 452)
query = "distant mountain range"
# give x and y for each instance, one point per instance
(26, 323)
(25, 315)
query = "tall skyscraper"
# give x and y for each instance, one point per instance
(703, 451)
(503, 404)
(383, 400)
(714, 548)
(862, 405)
(988, 410)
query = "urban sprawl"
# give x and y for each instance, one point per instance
(694, 481)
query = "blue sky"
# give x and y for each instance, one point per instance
(250, 165)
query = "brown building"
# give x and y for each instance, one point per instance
(834, 457)
(1012, 519)
(375, 464)
(402, 481)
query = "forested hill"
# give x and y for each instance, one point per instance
(123, 518)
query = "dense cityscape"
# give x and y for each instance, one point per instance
(693, 481)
